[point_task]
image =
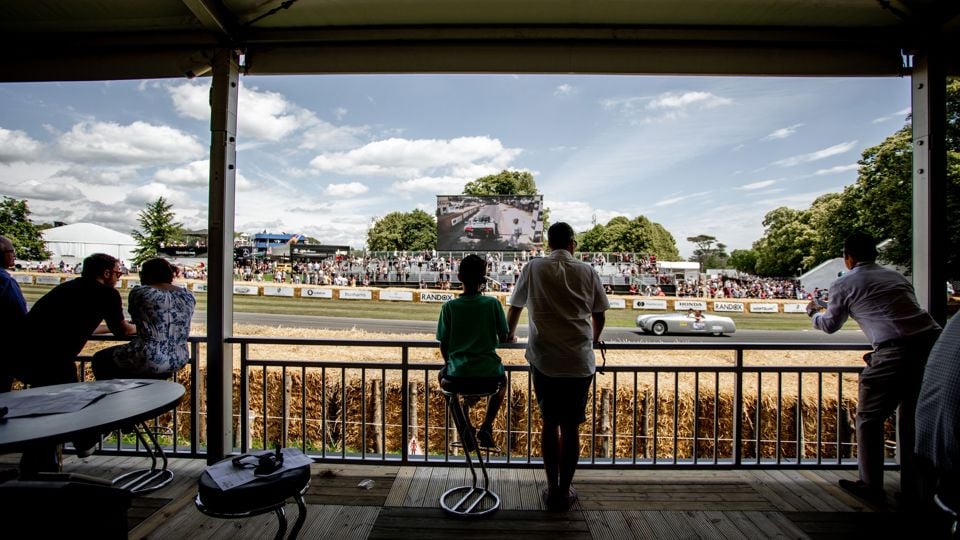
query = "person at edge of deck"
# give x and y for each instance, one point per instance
(566, 310)
(469, 329)
(13, 309)
(55, 331)
(938, 413)
(902, 333)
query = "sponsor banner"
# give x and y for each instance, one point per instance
(764, 308)
(351, 294)
(683, 305)
(617, 303)
(456, 220)
(311, 292)
(198, 287)
(278, 291)
(399, 296)
(251, 290)
(48, 280)
(794, 308)
(649, 304)
(23, 279)
(436, 297)
(131, 283)
(728, 306)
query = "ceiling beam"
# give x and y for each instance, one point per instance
(213, 16)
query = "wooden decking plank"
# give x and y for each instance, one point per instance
(336, 521)
(810, 492)
(849, 501)
(831, 493)
(418, 487)
(702, 526)
(663, 526)
(400, 487)
(768, 528)
(398, 522)
(607, 525)
(638, 523)
(733, 524)
(788, 527)
(530, 483)
(783, 488)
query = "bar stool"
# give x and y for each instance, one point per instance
(146, 480)
(468, 500)
(260, 496)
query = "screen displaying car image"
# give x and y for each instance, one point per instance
(489, 223)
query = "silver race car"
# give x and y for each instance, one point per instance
(685, 323)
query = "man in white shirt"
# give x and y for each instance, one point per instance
(566, 305)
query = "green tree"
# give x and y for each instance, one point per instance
(157, 229)
(743, 260)
(503, 183)
(15, 224)
(709, 252)
(637, 235)
(403, 231)
(787, 243)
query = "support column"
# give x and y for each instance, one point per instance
(929, 88)
(223, 158)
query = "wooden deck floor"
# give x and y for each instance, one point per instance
(403, 503)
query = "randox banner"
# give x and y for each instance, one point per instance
(436, 297)
(728, 306)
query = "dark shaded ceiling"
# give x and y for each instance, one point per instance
(131, 39)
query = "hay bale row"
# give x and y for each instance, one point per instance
(346, 417)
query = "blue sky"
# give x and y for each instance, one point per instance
(325, 155)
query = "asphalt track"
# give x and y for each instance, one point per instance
(609, 334)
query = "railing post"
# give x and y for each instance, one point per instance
(244, 400)
(405, 404)
(738, 409)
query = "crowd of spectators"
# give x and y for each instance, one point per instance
(743, 287)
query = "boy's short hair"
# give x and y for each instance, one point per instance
(559, 235)
(473, 270)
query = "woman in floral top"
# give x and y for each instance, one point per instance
(162, 312)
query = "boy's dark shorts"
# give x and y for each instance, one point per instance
(471, 385)
(562, 400)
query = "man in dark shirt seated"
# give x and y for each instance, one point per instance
(55, 331)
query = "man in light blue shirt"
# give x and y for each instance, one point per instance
(883, 303)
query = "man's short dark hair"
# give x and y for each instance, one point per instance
(473, 270)
(95, 265)
(559, 235)
(154, 271)
(861, 247)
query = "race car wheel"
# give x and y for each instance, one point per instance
(659, 328)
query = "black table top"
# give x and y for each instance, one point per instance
(102, 416)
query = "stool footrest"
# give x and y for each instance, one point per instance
(469, 501)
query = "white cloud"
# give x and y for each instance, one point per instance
(667, 106)
(673, 100)
(138, 143)
(195, 174)
(339, 113)
(435, 185)
(834, 150)
(837, 170)
(148, 193)
(101, 175)
(17, 146)
(901, 114)
(407, 158)
(758, 185)
(351, 189)
(328, 137)
(564, 90)
(44, 191)
(266, 116)
(782, 133)
(679, 198)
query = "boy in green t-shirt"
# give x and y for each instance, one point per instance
(469, 330)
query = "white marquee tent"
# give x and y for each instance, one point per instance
(72, 243)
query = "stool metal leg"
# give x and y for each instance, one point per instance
(467, 501)
(282, 518)
(146, 480)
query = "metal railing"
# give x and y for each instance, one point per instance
(733, 414)
(725, 414)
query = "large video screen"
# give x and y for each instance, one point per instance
(490, 223)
